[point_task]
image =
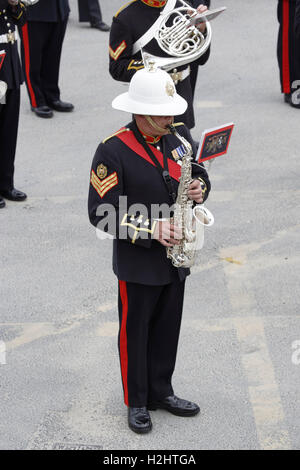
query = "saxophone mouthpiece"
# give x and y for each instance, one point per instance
(171, 128)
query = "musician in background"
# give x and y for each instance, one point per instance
(42, 40)
(288, 50)
(129, 24)
(90, 11)
(11, 13)
(151, 289)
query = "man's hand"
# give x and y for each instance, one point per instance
(195, 191)
(201, 26)
(167, 234)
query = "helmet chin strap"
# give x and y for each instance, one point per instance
(154, 125)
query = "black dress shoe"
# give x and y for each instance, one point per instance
(288, 98)
(2, 203)
(139, 420)
(100, 25)
(13, 195)
(42, 111)
(61, 106)
(176, 406)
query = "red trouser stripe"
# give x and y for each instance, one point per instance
(286, 84)
(27, 64)
(123, 339)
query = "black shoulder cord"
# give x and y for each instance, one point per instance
(164, 171)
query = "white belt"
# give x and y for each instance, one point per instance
(9, 37)
(180, 76)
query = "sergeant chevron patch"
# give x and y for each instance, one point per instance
(116, 54)
(103, 186)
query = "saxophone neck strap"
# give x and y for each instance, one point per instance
(167, 168)
(163, 170)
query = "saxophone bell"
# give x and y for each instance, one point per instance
(203, 216)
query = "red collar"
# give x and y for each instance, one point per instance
(150, 139)
(155, 3)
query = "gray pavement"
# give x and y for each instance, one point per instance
(61, 386)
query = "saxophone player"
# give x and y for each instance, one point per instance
(138, 165)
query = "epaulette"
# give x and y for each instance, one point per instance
(176, 124)
(123, 7)
(113, 135)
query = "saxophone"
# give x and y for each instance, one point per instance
(191, 219)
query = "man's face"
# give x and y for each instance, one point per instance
(159, 127)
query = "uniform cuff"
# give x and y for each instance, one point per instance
(138, 228)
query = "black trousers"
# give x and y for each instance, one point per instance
(288, 47)
(89, 10)
(150, 318)
(193, 77)
(41, 52)
(9, 122)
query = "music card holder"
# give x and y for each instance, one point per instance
(214, 142)
(208, 15)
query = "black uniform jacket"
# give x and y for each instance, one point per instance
(297, 19)
(52, 11)
(196, 3)
(11, 71)
(128, 25)
(118, 170)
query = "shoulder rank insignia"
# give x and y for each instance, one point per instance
(115, 54)
(104, 185)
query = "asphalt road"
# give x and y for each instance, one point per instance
(238, 355)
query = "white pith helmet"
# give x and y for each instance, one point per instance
(151, 93)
